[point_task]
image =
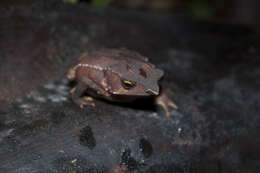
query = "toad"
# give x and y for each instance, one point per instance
(117, 75)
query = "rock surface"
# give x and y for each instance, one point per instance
(212, 72)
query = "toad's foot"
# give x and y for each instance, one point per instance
(165, 103)
(84, 101)
(81, 101)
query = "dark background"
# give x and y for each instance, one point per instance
(245, 12)
(209, 51)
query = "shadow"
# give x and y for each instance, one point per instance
(145, 103)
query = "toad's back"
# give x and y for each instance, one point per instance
(107, 58)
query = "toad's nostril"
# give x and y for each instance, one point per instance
(142, 73)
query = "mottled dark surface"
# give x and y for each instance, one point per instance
(212, 72)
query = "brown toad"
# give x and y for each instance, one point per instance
(116, 75)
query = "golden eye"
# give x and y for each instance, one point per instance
(127, 84)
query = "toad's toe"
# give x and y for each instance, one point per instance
(166, 103)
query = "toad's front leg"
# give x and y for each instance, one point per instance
(77, 94)
(166, 103)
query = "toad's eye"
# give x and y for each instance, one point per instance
(127, 84)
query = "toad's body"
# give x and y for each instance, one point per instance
(116, 75)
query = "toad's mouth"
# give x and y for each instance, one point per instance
(147, 92)
(152, 92)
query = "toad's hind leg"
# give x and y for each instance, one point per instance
(78, 98)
